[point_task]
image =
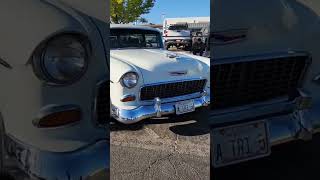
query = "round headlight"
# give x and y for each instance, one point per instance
(63, 60)
(130, 79)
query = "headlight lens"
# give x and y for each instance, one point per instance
(63, 60)
(130, 79)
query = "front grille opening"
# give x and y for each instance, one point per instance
(170, 90)
(102, 106)
(242, 83)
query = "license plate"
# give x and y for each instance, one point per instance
(178, 40)
(185, 107)
(238, 143)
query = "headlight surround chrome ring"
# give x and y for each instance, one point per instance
(129, 79)
(62, 60)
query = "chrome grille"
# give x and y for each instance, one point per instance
(169, 90)
(102, 108)
(241, 83)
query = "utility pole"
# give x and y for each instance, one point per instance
(163, 15)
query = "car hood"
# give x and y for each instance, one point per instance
(155, 66)
(94, 8)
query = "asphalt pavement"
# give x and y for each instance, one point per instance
(172, 148)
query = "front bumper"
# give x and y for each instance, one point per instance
(178, 41)
(86, 163)
(286, 121)
(150, 111)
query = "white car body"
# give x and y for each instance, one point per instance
(263, 32)
(153, 66)
(59, 152)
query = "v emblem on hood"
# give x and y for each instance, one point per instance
(229, 36)
(178, 73)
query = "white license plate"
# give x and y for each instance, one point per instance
(185, 107)
(238, 143)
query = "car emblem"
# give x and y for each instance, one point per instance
(172, 55)
(229, 36)
(178, 73)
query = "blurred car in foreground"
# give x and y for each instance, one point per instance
(53, 65)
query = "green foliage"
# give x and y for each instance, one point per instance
(143, 20)
(126, 11)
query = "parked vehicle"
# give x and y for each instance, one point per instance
(53, 72)
(147, 81)
(177, 35)
(266, 77)
(205, 32)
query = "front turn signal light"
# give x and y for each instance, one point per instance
(58, 116)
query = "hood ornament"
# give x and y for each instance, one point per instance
(229, 36)
(178, 73)
(172, 55)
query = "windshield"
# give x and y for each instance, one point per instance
(135, 38)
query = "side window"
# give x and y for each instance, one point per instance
(152, 40)
(114, 42)
(131, 40)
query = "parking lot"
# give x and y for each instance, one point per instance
(164, 148)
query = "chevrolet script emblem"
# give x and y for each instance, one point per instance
(178, 73)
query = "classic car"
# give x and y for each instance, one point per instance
(265, 72)
(53, 75)
(147, 81)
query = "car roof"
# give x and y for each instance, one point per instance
(129, 26)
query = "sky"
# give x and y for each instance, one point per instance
(178, 8)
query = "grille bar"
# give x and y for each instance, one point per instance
(241, 83)
(169, 90)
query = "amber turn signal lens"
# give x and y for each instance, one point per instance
(128, 98)
(57, 119)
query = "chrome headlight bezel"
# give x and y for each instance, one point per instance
(38, 59)
(125, 84)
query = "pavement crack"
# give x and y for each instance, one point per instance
(155, 162)
(174, 168)
(175, 145)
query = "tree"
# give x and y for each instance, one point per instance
(127, 11)
(143, 20)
